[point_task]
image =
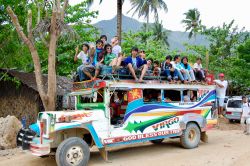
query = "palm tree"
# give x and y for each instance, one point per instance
(145, 7)
(159, 33)
(192, 22)
(119, 16)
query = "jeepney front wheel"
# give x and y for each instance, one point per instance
(190, 137)
(73, 151)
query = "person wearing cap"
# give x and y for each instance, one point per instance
(136, 63)
(221, 87)
(245, 114)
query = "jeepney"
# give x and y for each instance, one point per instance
(111, 113)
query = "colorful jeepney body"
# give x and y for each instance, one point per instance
(141, 121)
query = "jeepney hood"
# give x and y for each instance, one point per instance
(59, 120)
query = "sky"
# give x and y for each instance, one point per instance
(213, 12)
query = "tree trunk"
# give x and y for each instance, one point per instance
(51, 63)
(49, 98)
(34, 55)
(119, 20)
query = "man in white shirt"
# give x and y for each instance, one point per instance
(199, 73)
(221, 87)
(116, 48)
(245, 113)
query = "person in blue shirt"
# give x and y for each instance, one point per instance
(136, 63)
(188, 68)
(169, 70)
(97, 59)
(176, 64)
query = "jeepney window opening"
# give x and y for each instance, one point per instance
(172, 95)
(151, 95)
(118, 106)
(190, 95)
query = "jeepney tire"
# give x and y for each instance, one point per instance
(73, 145)
(157, 141)
(190, 137)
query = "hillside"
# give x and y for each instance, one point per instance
(175, 39)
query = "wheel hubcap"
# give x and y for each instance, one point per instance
(191, 134)
(74, 155)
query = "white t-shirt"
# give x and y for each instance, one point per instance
(197, 66)
(83, 57)
(116, 50)
(176, 65)
(245, 110)
(221, 92)
(173, 64)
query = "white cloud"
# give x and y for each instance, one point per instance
(213, 12)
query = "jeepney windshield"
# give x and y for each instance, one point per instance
(92, 100)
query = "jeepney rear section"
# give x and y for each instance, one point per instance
(54, 127)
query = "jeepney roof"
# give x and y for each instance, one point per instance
(131, 84)
(156, 85)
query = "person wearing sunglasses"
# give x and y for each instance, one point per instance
(109, 59)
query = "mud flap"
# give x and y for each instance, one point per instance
(104, 153)
(204, 137)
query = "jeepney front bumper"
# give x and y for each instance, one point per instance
(40, 149)
(28, 140)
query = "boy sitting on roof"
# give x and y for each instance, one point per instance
(135, 63)
(97, 59)
(169, 70)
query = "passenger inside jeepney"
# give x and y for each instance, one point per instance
(118, 105)
(151, 95)
(191, 95)
(172, 96)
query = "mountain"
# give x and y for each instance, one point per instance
(175, 38)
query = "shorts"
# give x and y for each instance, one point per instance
(88, 68)
(220, 102)
(99, 66)
(243, 120)
(136, 69)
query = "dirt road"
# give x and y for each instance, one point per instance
(225, 148)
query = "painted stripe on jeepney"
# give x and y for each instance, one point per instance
(68, 126)
(148, 107)
(204, 113)
(92, 131)
(143, 140)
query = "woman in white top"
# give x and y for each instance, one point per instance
(84, 57)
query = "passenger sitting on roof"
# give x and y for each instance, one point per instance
(142, 54)
(157, 69)
(199, 72)
(188, 68)
(108, 59)
(135, 63)
(168, 70)
(181, 72)
(149, 63)
(104, 39)
(97, 59)
(86, 60)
